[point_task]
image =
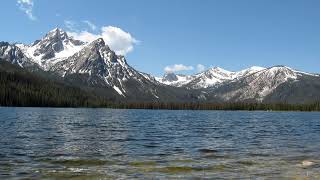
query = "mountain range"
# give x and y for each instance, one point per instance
(95, 68)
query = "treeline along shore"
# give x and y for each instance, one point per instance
(21, 88)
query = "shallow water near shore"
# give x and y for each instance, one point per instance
(58, 143)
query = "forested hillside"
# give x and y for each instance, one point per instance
(19, 87)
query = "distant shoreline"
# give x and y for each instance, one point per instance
(315, 107)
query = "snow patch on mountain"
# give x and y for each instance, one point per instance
(96, 65)
(176, 80)
(247, 71)
(51, 49)
(119, 91)
(211, 77)
(258, 85)
(13, 54)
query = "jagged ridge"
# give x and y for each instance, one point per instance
(96, 66)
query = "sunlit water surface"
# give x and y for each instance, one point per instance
(57, 143)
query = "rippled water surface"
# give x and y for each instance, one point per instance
(57, 143)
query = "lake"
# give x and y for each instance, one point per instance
(59, 143)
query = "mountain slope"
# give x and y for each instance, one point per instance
(176, 80)
(55, 46)
(262, 85)
(95, 68)
(101, 67)
(303, 90)
(14, 55)
(20, 87)
(211, 77)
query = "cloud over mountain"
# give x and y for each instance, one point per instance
(117, 39)
(177, 67)
(92, 26)
(26, 6)
(200, 67)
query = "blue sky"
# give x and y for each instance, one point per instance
(232, 34)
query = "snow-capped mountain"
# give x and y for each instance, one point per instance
(261, 84)
(12, 54)
(209, 78)
(102, 65)
(55, 46)
(95, 66)
(255, 84)
(248, 71)
(92, 64)
(176, 80)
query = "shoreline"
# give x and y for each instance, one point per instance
(196, 107)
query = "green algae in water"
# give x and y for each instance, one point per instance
(219, 167)
(183, 161)
(143, 163)
(74, 176)
(247, 163)
(175, 169)
(186, 169)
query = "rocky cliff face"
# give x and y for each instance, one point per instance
(261, 85)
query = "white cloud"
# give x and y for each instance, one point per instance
(117, 39)
(92, 26)
(84, 36)
(26, 6)
(77, 26)
(120, 41)
(200, 67)
(177, 67)
(71, 25)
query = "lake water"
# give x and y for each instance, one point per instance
(57, 143)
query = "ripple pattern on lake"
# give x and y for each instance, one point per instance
(57, 143)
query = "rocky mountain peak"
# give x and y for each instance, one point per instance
(280, 72)
(170, 77)
(57, 33)
(99, 44)
(96, 65)
(248, 71)
(104, 52)
(95, 58)
(13, 54)
(55, 41)
(217, 72)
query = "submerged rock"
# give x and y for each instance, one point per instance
(307, 163)
(206, 151)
